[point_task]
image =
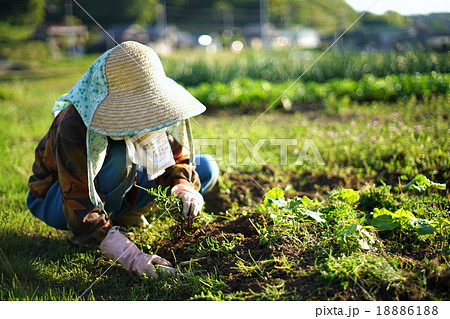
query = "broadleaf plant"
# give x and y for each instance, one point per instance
(275, 197)
(384, 219)
(421, 183)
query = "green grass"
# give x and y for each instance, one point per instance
(246, 95)
(370, 141)
(192, 68)
(252, 249)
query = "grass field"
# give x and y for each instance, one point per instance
(311, 205)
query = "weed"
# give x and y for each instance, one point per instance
(318, 236)
(368, 271)
(170, 204)
(421, 183)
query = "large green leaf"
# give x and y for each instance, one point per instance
(275, 197)
(384, 222)
(351, 229)
(421, 183)
(422, 226)
(349, 194)
(313, 215)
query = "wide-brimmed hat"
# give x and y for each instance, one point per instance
(140, 95)
(126, 92)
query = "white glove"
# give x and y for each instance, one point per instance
(119, 248)
(191, 199)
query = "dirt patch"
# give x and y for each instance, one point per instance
(247, 189)
(244, 248)
(248, 267)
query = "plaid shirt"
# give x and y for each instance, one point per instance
(61, 155)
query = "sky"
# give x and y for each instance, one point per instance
(404, 7)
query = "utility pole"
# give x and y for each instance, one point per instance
(162, 20)
(228, 19)
(69, 20)
(264, 20)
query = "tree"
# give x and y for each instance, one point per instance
(109, 12)
(29, 12)
(388, 18)
(323, 15)
(395, 18)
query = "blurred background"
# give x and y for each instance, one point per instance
(220, 41)
(368, 91)
(55, 28)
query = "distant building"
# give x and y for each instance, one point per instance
(437, 40)
(383, 37)
(60, 37)
(165, 40)
(298, 36)
(124, 32)
(377, 37)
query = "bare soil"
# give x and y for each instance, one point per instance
(304, 283)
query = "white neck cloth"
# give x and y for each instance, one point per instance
(151, 150)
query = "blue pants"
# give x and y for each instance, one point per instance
(113, 181)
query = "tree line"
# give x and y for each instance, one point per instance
(324, 15)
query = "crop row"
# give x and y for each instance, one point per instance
(192, 68)
(249, 94)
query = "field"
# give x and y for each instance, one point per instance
(338, 192)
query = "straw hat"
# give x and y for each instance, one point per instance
(140, 96)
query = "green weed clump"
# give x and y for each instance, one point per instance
(353, 229)
(166, 203)
(258, 95)
(279, 66)
(366, 270)
(372, 216)
(360, 246)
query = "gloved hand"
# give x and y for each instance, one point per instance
(191, 199)
(119, 248)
